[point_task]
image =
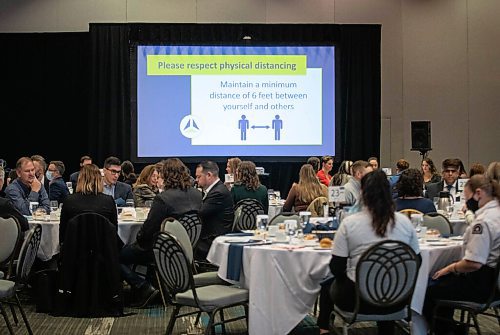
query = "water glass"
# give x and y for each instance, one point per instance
(449, 210)
(33, 207)
(290, 226)
(54, 205)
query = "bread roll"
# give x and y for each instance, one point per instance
(325, 243)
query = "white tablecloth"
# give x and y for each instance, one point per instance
(49, 244)
(284, 284)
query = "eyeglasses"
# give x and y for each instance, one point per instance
(114, 171)
(450, 171)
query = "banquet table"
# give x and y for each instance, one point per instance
(49, 244)
(284, 280)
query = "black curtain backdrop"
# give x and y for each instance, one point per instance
(50, 78)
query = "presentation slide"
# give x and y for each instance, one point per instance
(224, 101)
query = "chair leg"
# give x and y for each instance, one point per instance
(160, 287)
(345, 329)
(23, 315)
(6, 318)
(476, 324)
(171, 322)
(14, 315)
(210, 326)
(223, 326)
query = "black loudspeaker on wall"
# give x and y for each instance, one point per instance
(421, 135)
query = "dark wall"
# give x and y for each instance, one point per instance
(72, 90)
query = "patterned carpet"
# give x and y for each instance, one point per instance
(154, 321)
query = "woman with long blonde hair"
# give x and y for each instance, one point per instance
(305, 191)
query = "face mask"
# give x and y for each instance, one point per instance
(49, 176)
(472, 204)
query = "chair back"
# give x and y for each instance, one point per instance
(409, 211)
(28, 253)
(192, 223)
(438, 221)
(245, 214)
(280, 218)
(495, 290)
(9, 240)
(386, 274)
(173, 265)
(175, 228)
(316, 206)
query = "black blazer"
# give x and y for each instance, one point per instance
(433, 189)
(217, 215)
(78, 203)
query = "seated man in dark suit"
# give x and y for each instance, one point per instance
(450, 171)
(73, 178)
(216, 213)
(120, 191)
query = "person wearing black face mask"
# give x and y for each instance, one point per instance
(471, 205)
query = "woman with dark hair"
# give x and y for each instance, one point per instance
(324, 175)
(249, 186)
(376, 222)
(305, 191)
(128, 173)
(429, 171)
(410, 192)
(343, 174)
(472, 277)
(178, 197)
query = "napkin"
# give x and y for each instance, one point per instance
(239, 234)
(234, 258)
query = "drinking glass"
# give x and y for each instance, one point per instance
(33, 207)
(54, 205)
(129, 203)
(449, 210)
(262, 220)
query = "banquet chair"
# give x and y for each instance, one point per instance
(9, 287)
(409, 211)
(89, 283)
(10, 240)
(316, 206)
(192, 223)
(245, 214)
(175, 270)
(438, 221)
(473, 309)
(386, 274)
(280, 218)
(177, 229)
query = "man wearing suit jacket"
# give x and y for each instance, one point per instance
(216, 213)
(118, 190)
(450, 172)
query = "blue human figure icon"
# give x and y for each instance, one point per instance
(277, 126)
(243, 125)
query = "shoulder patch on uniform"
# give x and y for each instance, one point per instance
(477, 229)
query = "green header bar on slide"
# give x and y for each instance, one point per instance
(175, 65)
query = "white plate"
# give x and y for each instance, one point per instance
(310, 243)
(457, 238)
(430, 240)
(437, 244)
(248, 231)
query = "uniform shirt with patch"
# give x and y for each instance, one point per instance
(482, 237)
